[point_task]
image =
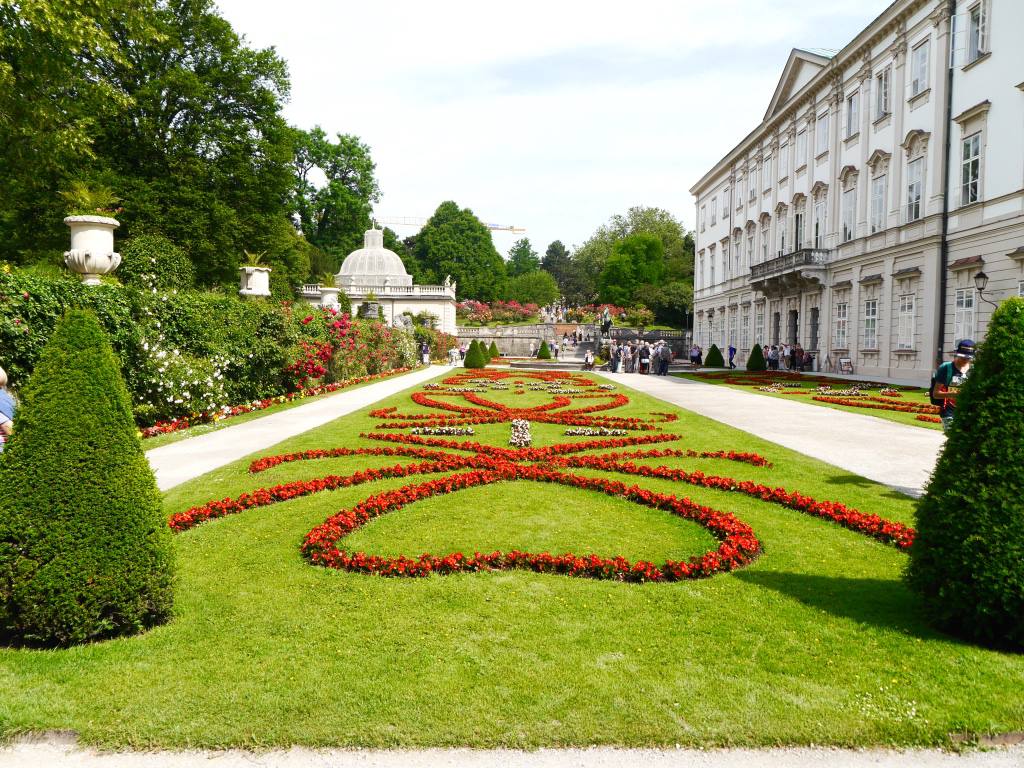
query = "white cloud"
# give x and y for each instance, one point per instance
(548, 115)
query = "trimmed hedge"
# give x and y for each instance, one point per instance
(756, 361)
(153, 261)
(85, 551)
(714, 358)
(967, 561)
(493, 352)
(544, 353)
(474, 356)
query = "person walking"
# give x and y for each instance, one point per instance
(787, 356)
(732, 355)
(7, 409)
(947, 380)
(425, 353)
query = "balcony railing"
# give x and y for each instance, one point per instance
(788, 262)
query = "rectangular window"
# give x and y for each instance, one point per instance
(970, 170)
(878, 204)
(780, 226)
(766, 179)
(839, 338)
(821, 134)
(764, 240)
(725, 261)
(870, 324)
(737, 253)
(714, 211)
(963, 319)
(801, 149)
(882, 80)
(919, 69)
(819, 224)
(711, 263)
(753, 184)
(798, 231)
(783, 161)
(853, 114)
(976, 33)
(703, 215)
(726, 200)
(732, 328)
(1020, 287)
(750, 248)
(915, 169)
(849, 214)
(759, 324)
(745, 329)
(905, 328)
(700, 268)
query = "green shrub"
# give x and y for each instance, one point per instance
(153, 261)
(967, 561)
(756, 361)
(475, 356)
(85, 552)
(714, 359)
(493, 352)
(544, 353)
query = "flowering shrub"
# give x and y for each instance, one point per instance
(466, 464)
(590, 313)
(478, 313)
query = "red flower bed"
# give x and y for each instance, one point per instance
(879, 403)
(466, 464)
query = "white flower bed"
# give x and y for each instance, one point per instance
(520, 437)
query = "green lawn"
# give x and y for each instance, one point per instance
(818, 641)
(909, 395)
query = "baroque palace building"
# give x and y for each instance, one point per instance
(878, 208)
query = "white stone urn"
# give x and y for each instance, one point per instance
(92, 247)
(255, 281)
(329, 297)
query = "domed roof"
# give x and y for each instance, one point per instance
(373, 264)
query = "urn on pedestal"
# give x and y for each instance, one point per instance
(255, 281)
(92, 247)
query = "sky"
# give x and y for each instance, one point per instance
(552, 116)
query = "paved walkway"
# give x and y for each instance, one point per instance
(177, 462)
(29, 755)
(898, 455)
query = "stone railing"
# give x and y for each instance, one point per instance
(788, 262)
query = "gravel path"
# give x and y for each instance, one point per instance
(181, 461)
(55, 753)
(898, 455)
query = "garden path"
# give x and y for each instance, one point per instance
(177, 462)
(897, 455)
(32, 755)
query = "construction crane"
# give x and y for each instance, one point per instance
(418, 222)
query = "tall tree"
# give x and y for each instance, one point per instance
(537, 287)
(522, 259)
(556, 261)
(456, 243)
(335, 215)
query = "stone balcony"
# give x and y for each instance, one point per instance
(793, 272)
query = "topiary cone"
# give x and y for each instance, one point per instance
(85, 551)
(474, 356)
(714, 358)
(967, 560)
(493, 352)
(544, 353)
(756, 361)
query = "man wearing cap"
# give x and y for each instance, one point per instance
(948, 379)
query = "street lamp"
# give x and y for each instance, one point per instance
(981, 282)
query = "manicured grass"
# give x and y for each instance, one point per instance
(818, 641)
(916, 396)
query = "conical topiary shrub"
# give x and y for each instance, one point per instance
(544, 353)
(475, 356)
(85, 552)
(967, 561)
(714, 359)
(493, 352)
(756, 361)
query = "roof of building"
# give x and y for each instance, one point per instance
(373, 263)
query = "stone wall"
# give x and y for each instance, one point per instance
(514, 340)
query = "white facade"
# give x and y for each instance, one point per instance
(824, 226)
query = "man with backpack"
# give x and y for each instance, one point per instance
(948, 379)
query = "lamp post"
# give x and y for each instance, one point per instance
(981, 282)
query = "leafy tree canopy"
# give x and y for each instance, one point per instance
(636, 260)
(454, 242)
(533, 287)
(522, 259)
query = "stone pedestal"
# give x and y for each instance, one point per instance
(92, 247)
(329, 297)
(255, 281)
